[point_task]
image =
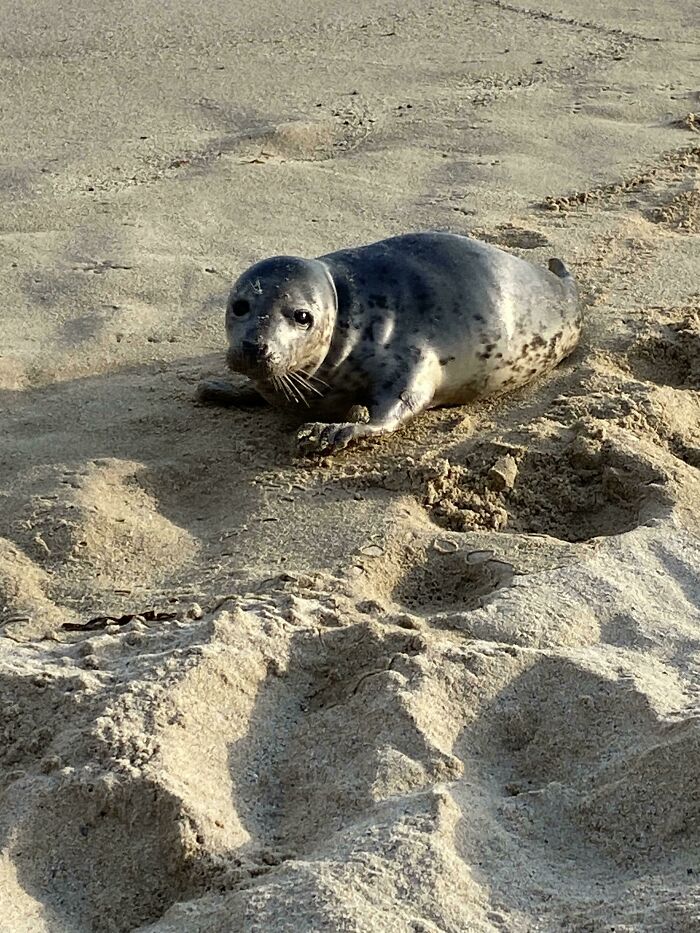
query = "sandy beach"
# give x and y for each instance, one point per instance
(240, 691)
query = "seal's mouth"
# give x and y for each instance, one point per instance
(298, 386)
(257, 362)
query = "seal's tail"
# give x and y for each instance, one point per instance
(559, 269)
(568, 282)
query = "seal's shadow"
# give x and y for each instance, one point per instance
(121, 482)
(95, 468)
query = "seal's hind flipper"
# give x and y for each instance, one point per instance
(558, 268)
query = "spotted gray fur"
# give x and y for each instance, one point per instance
(399, 326)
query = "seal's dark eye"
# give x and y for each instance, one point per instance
(303, 318)
(240, 307)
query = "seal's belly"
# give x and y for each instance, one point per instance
(501, 363)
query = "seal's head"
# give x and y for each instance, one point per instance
(280, 318)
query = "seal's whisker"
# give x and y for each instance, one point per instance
(293, 380)
(301, 385)
(285, 389)
(280, 387)
(304, 383)
(315, 378)
(296, 392)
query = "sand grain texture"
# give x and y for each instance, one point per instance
(445, 682)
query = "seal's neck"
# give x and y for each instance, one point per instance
(329, 318)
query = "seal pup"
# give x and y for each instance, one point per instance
(391, 329)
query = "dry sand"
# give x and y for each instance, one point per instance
(386, 693)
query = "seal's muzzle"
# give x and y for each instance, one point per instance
(251, 359)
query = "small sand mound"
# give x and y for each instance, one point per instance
(681, 213)
(100, 519)
(260, 769)
(296, 141)
(78, 847)
(671, 355)
(691, 121)
(23, 586)
(588, 489)
(645, 802)
(307, 140)
(559, 720)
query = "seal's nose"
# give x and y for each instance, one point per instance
(258, 352)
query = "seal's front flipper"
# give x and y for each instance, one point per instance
(226, 394)
(319, 438)
(395, 407)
